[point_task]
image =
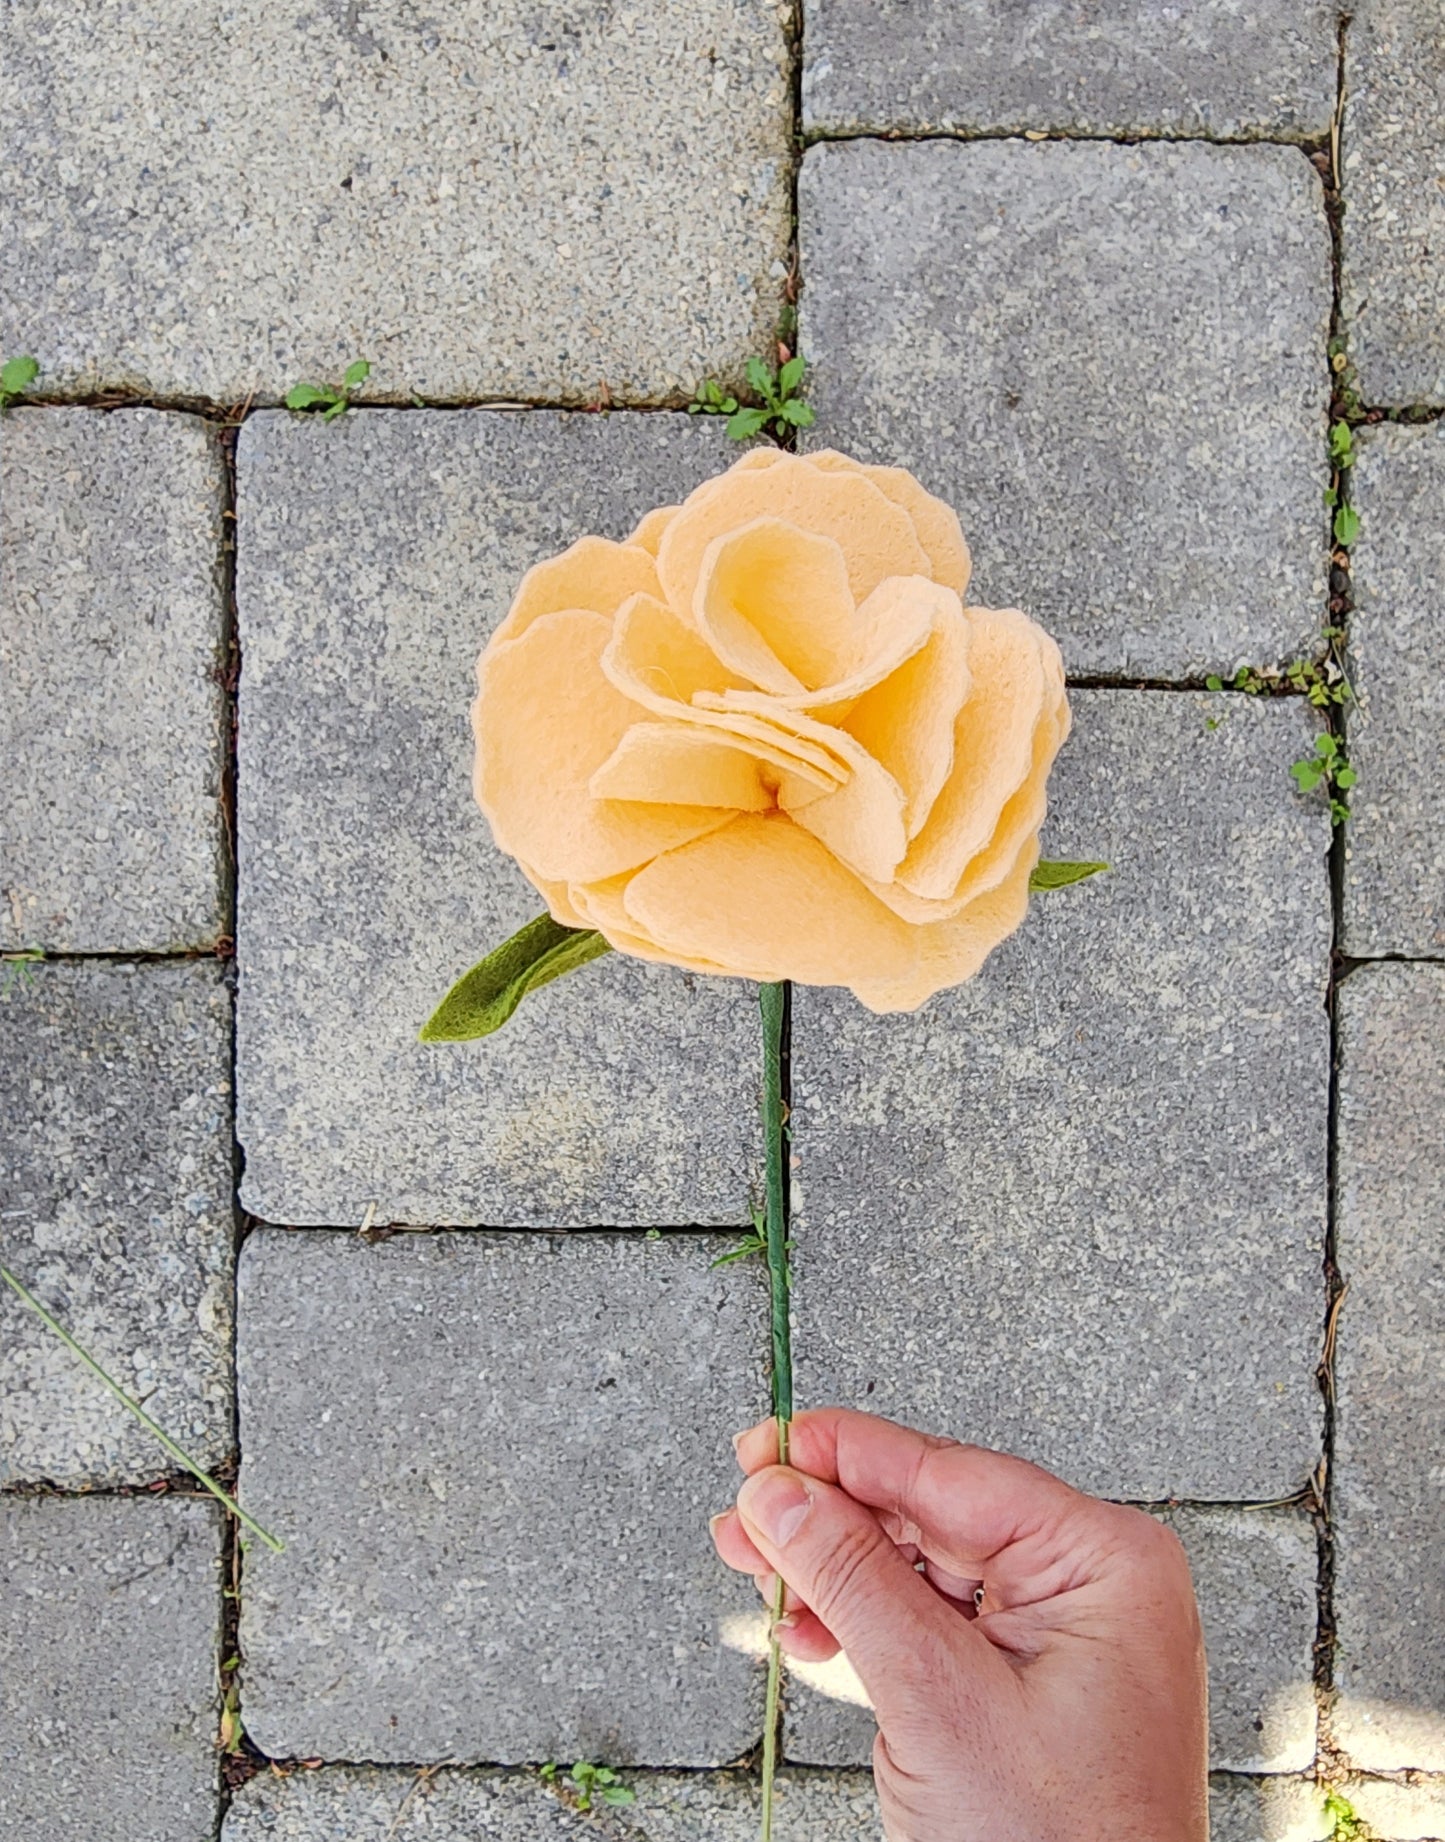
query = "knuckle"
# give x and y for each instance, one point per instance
(842, 1575)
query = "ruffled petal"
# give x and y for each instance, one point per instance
(648, 535)
(951, 951)
(893, 623)
(875, 535)
(906, 721)
(556, 896)
(545, 719)
(935, 522)
(594, 573)
(774, 604)
(683, 764)
(992, 750)
(661, 663)
(765, 900)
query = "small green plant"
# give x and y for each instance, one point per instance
(1347, 383)
(1329, 767)
(1341, 1813)
(16, 377)
(1324, 685)
(16, 973)
(328, 400)
(755, 1241)
(1342, 444)
(589, 1782)
(1346, 525)
(781, 409)
(1245, 679)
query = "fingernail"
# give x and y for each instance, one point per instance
(713, 1521)
(776, 1503)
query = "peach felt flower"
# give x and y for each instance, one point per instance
(767, 737)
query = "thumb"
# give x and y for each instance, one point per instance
(830, 1550)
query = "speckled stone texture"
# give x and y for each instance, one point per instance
(115, 1211)
(109, 1622)
(111, 710)
(375, 558)
(1395, 842)
(1254, 1572)
(487, 198)
(1108, 359)
(1215, 68)
(492, 1459)
(1389, 1510)
(1393, 247)
(1402, 1812)
(362, 1804)
(1076, 1207)
(1267, 1810)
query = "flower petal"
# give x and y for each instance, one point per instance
(875, 535)
(895, 621)
(545, 719)
(555, 895)
(934, 521)
(906, 721)
(951, 951)
(601, 906)
(862, 821)
(992, 750)
(682, 763)
(664, 665)
(774, 604)
(648, 534)
(594, 573)
(765, 900)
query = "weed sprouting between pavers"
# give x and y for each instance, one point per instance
(780, 409)
(328, 400)
(585, 1784)
(16, 377)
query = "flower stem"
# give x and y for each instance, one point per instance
(132, 1406)
(774, 1003)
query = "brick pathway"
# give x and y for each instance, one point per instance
(1080, 269)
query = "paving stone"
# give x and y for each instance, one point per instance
(1390, 1417)
(492, 1459)
(375, 558)
(487, 200)
(1076, 1207)
(1254, 1571)
(111, 711)
(109, 1621)
(363, 1803)
(116, 1212)
(1109, 359)
(1393, 231)
(1402, 1812)
(1267, 1810)
(1116, 68)
(1395, 862)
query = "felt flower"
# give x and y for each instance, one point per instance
(766, 736)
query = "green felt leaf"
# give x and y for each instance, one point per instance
(17, 374)
(1058, 875)
(483, 999)
(356, 373)
(791, 376)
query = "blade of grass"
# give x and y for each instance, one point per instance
(230, 1503)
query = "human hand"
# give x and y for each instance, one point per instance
(1041, 1678)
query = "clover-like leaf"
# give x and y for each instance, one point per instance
(483, 999)
(18, 374)
(308, 396)
(1058, 874)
